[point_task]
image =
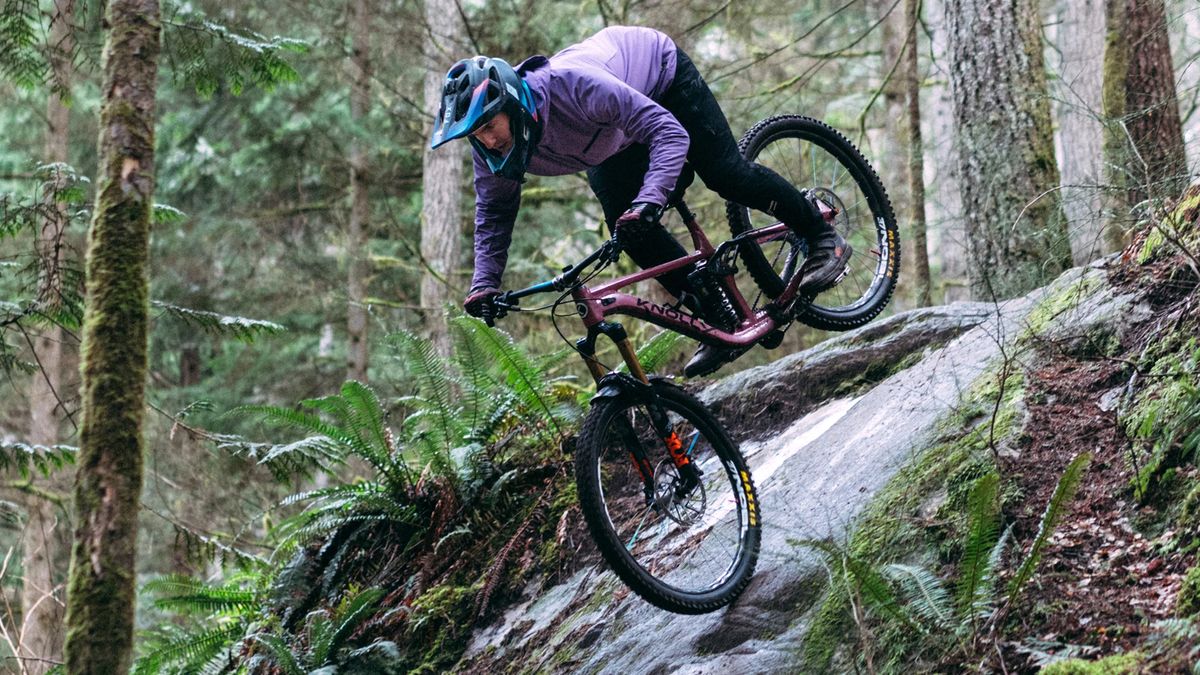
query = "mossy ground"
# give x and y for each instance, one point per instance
(898, 527)
(1108, 578)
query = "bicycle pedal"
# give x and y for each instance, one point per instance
(840, 277)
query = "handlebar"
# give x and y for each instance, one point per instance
(608, 253)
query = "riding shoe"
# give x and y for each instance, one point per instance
(826, 264)
(709, 358)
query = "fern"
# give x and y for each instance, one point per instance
(189, 650)
(519, 372)
(351, 616)
(925, 593)
(239, 327)
(281, 655)
(163, 214)
(868, 580)
(983, 527)
(444, 430)
(1064, 492)
(657, 350)
(190, 595)
(328, 632)
(25, 459)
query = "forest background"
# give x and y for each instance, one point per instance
(299, 220)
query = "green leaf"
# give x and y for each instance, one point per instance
(1064, 492)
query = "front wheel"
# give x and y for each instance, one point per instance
(684, 537)
(826, 167)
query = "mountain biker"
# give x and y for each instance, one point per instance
(629, 107)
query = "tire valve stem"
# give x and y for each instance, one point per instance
(675, 446)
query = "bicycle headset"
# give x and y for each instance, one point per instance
(475, 91)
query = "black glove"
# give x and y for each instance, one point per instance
(636, 222)
(479, 303)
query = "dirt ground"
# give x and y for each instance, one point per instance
(1112, 567)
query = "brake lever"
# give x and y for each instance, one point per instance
(498, 308)
(613, 254)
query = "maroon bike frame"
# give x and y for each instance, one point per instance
(595, 304)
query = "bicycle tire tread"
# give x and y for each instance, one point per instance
(761, 271)
(592, 505)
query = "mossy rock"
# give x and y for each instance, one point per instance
(1188, 602)
(1117, 664)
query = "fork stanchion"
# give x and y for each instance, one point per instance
(630, 355)
(586, 346)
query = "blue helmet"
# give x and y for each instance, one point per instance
(475, 90)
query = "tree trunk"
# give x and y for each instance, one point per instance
(41, 636)
(916, 159)
(1080, 131)
(1016, 233)
(1143, 140)
(891, 162)
(356, 244)
(108, 483)
(943, 197)
(441, 210)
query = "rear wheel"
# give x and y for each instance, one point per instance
(685, 541)
(825, 166)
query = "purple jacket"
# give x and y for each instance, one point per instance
(594, 99)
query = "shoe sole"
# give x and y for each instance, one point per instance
(813, 287)
(714, 367)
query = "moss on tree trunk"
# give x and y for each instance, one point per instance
(101, 591)
(1143, 139)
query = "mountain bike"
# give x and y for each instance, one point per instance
(665, 491)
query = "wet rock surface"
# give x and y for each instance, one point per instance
(762, 400)
(817, 459)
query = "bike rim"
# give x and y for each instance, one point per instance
(691, 541)
(814, 165)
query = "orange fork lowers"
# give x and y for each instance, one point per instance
(675, 446)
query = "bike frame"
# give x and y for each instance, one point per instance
(595, 305)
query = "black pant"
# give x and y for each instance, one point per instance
(713, 154)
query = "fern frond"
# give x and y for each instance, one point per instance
(660, 348)
(320, 636)
(352, 615)
(434, 387)
(175, 646)
(985, 603)
(516, 368)
(300, 458)
(869, 581)
(10, 515)
(24, 458)
(239, 327)
(164, 214)
(1064, 492)
(983, 512)
(281, 654)
(925, 593)
(187, 594)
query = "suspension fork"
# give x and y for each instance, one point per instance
(658, 415)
